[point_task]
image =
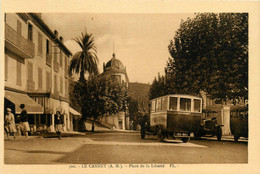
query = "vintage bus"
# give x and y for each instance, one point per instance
(175, 115)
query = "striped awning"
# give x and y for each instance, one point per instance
(18, 98)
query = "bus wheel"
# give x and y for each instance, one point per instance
(185, 140)
(142, 132)
(160, 134)
(236, 137)
(219, 133)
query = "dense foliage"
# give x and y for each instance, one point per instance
(138, 102)
(98, 96)
(208, 53)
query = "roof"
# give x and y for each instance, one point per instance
(114, 65)
(179, 95)
(44, 27)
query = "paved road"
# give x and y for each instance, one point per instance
(119, 147)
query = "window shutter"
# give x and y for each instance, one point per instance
(55, 83)
(30, 32)
(39, 44)
(61, 85)
(39, 78)
(30, 71)
(19, 74)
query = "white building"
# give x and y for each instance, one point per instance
(36, 71)
(115, 69)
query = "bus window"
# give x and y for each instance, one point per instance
(196, 105)
(159, 105)
(173, 103)
(153, 105)
(185, 104)
(164, 103)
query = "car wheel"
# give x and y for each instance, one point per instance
(236, 137)
(185, 140)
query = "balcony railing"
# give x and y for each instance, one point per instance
(16, 43)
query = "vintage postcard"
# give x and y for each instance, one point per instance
(129, 86)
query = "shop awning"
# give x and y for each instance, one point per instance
(30, 105)
(74, 112)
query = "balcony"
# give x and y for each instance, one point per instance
(18, 44)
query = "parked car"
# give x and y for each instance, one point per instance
(239, 121)
(209, 125)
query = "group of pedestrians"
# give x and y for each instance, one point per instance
(9, 123)
(10, 127)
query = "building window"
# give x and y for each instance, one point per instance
(30, 77)
(6, 67)
(19, 73)
(48, 53)
(39, 78)
(55, 54)
(48, 81)
(30, 71)
(39, 44)
(47, 46)
(30, 32)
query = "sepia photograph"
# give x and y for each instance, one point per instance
(126, 90)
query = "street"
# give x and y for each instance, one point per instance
(123, 147)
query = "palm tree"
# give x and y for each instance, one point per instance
(85, 60)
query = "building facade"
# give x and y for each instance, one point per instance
(115, 70)
(36, 71)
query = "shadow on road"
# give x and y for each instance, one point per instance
(38, 151)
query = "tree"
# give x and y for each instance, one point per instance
(85, 60)
(100, 95)
(210, 53)
(158, 87)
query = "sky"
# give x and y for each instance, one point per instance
(140, 41)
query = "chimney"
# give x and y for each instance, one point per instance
(61, 39)
(56, 33)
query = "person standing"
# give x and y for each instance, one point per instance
(24, 121)
(58, 124)
(9, 123)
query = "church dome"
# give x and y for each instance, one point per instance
(114, 65)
